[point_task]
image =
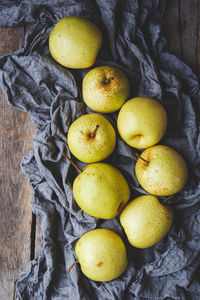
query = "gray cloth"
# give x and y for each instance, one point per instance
(51, 94)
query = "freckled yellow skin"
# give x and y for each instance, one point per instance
(101, 254)
(142, 122)
(146, 221)
(74, 42)
(89, 149)
(165, 174)
(101, 191)
(105, 89)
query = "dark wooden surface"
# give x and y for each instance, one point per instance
(182, 30)
(16, 131)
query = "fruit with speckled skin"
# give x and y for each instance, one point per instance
(101, 191)
(142, 122)
(91, 138)
(105, 89)
(101, 254)
(74, 42)
(146, 221)
(165, 173)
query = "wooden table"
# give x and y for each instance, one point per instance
(19, 229)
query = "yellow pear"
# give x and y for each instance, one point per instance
(165, 172)
(105, 89)
(74, 42)
(91, 138)
(101, 191)
(142, 122)
(101, 254)
(146, 221)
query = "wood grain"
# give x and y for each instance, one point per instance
(10, 39)
(198, 42)
(16, 131)
(189, 11)
(172, 32)
(38, 239)
(182, 30)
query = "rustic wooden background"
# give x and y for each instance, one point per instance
(19, 229)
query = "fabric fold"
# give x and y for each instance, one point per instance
(51, 94)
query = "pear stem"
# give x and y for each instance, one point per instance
(166, 199)
(73, 164)
(76, 262)
(92, 135)
(44, 36)
(139, 156)
(106, 81)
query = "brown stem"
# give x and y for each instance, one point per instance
(73, 164)
(92, 135)
(139, 156)
(166, 199)
(44, 36)
(106, 81)
(76, 262)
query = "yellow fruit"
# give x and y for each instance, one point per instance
(105, 89)
(142, 122)
(101, 254)
(165, 173)
(146, 221)
(91, 138)
(74, 42)
(101, 191)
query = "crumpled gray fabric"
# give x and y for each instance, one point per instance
(51, 94)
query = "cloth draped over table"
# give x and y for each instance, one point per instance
(51, 94)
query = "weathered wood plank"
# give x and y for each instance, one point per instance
(172, 32)
(182, 19)
(198, 43)
(16, 130)
(10, 39)
(189, 16)
(38, 238)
